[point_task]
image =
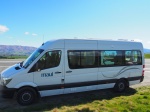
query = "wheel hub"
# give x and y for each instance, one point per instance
(121, 86)
(26, 97)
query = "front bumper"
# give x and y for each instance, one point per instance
(7, 92)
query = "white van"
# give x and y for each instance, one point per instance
(74, 65)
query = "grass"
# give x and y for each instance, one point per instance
(147, 56)
(14, 57)
(133, 100)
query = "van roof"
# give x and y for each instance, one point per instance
(90, 43)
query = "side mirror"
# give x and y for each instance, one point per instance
(20, 63)
(39, 70)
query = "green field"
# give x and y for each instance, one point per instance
(147, 56)
(133, 100)
(14, 57)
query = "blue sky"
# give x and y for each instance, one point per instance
(26, 22)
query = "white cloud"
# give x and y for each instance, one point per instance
(26, 33)
(34, 34)
(3, 29)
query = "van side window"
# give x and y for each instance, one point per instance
(133, 57)
(82, 59)
(111, 58)
(105, 58)
(49, 60)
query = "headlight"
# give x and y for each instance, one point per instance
(5, 81)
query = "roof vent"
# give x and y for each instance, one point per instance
(123, 39)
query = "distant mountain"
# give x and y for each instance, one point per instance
(8, 50)
(15, 50)
(146, 50)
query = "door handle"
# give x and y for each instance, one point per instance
(62, 80)
(68, 71)
(62, 83)
(57, 72)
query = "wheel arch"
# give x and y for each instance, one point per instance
(22, 84)
(29, 85)
(125, 79)
(121, 85)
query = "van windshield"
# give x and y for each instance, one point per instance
(32, 57)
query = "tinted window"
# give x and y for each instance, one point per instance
(133, 58)
(107, 58)
(111, 58)
(49, 60)
(82, 59)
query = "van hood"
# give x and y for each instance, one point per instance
(9, 72)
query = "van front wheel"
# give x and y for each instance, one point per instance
(26, 96)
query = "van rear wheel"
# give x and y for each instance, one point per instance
(120, 86)
(26, 96)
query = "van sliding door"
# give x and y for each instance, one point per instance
(81, 68)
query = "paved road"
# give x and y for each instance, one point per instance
(147, 74)
(5, 63)
(11, 103)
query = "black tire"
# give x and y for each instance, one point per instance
(26, 96)
(120, 86)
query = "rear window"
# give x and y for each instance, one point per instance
(133, 58)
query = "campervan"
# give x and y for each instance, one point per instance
(74, 65)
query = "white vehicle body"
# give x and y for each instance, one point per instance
(83, 65)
